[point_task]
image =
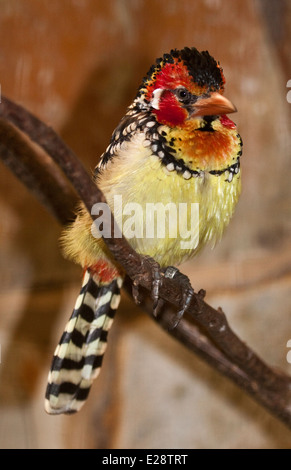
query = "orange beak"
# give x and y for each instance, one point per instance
(213, 105)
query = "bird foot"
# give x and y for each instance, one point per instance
(157, 275)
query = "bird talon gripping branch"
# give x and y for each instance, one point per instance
(188, 292)
(156, 278)
(173, 160)
(155, 270)
(151, 267)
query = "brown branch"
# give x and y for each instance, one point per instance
(203, 329)
(38, 172)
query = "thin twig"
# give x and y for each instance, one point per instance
(210, 336)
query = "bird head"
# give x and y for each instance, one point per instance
(185, 84)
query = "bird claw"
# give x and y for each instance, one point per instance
(156, 277)
(135, 292)
(188, 293)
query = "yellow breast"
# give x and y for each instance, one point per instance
(161, 213)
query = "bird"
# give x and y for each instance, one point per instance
(174, 145)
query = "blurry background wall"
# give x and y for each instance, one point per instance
(77, 65)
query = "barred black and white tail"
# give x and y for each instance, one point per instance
(78, 357)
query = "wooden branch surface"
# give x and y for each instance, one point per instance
(203, 329)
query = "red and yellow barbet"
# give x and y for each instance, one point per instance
(174, 144)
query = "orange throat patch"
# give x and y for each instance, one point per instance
(208, 150)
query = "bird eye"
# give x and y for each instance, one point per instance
(183, 95)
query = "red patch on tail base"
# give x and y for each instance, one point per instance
(104, 272)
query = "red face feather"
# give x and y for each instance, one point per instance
(170, 111)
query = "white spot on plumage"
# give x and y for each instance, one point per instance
(230, 177)
(187, 175)
(156, 98)
(161, 129)
(170, 166)
(123, 145)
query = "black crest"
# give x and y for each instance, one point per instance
(201, 66)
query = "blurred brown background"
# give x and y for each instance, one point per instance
(77, 65)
